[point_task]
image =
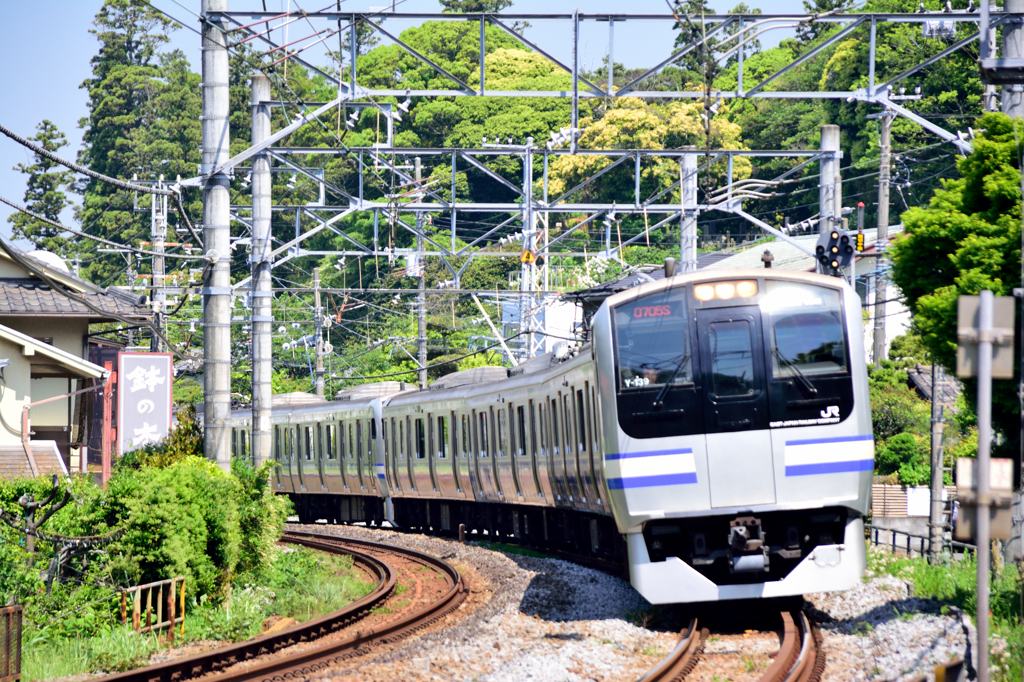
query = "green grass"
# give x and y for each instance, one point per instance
(300, 584)
(512, 549)
(955, 583)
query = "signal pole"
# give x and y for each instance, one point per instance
(935, 525)
(216, 238)
(878, 346)
(421, 300)
(688, 194)
(830, 193)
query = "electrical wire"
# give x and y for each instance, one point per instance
(98, 239)
(46, 153)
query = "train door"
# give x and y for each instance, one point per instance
(421, 464)
(739, 449)
(396, 450)
(321, 453)
(370, 473)
(405, 436)
(389, 455)
(525, 461)
(596, 458)
(360, 455)
(458, 450)
(583, 459)
(281, 473)
(538, 433)
(557, 460)
(570, 452)
(484, 470)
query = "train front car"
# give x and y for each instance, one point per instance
(738, 434)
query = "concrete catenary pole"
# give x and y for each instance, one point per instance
(878, 349)
(421, 300)
(216, 236)
(318, 323)
(1013, 48)
(830, 192)
(688, 194)
(262, 315)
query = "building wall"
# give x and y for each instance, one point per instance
(16, 390)
(897, 316)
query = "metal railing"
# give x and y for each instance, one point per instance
(10, 640)
(921, 544)
(153, 606)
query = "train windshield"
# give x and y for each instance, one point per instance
(806, 336)
(652, 342)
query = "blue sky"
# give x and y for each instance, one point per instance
(45, 49)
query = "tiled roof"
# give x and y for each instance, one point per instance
(949, 386)
(33, 297)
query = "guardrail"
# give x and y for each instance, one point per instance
(159, 615)
(10, 641)
(921, 544)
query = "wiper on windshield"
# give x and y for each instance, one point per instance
(659, 399)
(804, 381)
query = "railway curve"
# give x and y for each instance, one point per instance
(255, 660)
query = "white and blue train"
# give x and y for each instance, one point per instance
(714, 432)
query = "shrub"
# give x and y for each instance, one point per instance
(261, 515)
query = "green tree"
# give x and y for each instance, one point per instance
(966, 240)
(470, 6)
(126, 74)
(44, 194)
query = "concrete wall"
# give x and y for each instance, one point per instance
(897, 316)
(16, 390)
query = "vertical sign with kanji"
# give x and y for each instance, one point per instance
(144, 401)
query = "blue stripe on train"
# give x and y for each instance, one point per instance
(830, 467)
(649, 453)
(651, 481)
(833, 439)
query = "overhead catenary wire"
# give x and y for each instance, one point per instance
(46, 153)
(94, 238)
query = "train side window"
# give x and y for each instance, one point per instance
(484, 442)
(402, 445)
(373, 428)
(421, 437)
(386, 442)
(308, 443)
(330, 442)
(503, 447)
(277, 443)
(464, 441)
(581, 421)
(320, 442)
(368, 442)
(352, 449)
(234, 443)
(442, 438)
(521, 444)
(555, 437)
(359, 438)
(595, 425)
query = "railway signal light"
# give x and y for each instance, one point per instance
(834, 250)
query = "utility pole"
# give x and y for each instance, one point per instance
(935, 525)
(688, 196)
(216, 237)
(881, 241)
(260, 285)
(421, 300)
(318, 323)
(158, 232)
(983, 480)
(1013, 48)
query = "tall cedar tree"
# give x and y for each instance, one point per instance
(44, 194)
(143, 119)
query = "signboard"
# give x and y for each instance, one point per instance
(144, 400)
(967, 335)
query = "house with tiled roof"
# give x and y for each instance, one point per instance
(46, 354)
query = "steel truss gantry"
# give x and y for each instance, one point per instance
(734, 33)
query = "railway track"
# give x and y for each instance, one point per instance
(799, 659)
(314, 645)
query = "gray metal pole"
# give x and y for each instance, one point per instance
(262, 296)
(982, 481)
(216, 236)
(319, 326)
(935, 524)
(159, 235)
(881, 242)
(688, 188)
(1013, 48)
(829, 192)
(421, 299)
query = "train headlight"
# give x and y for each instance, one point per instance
(746, 289)
(725, 290)
(704, 292)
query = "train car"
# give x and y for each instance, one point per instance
(713, 433)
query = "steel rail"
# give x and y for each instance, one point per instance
(682, 660)
(800, 658)
(213, 664)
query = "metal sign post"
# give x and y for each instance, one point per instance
(977, 338)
